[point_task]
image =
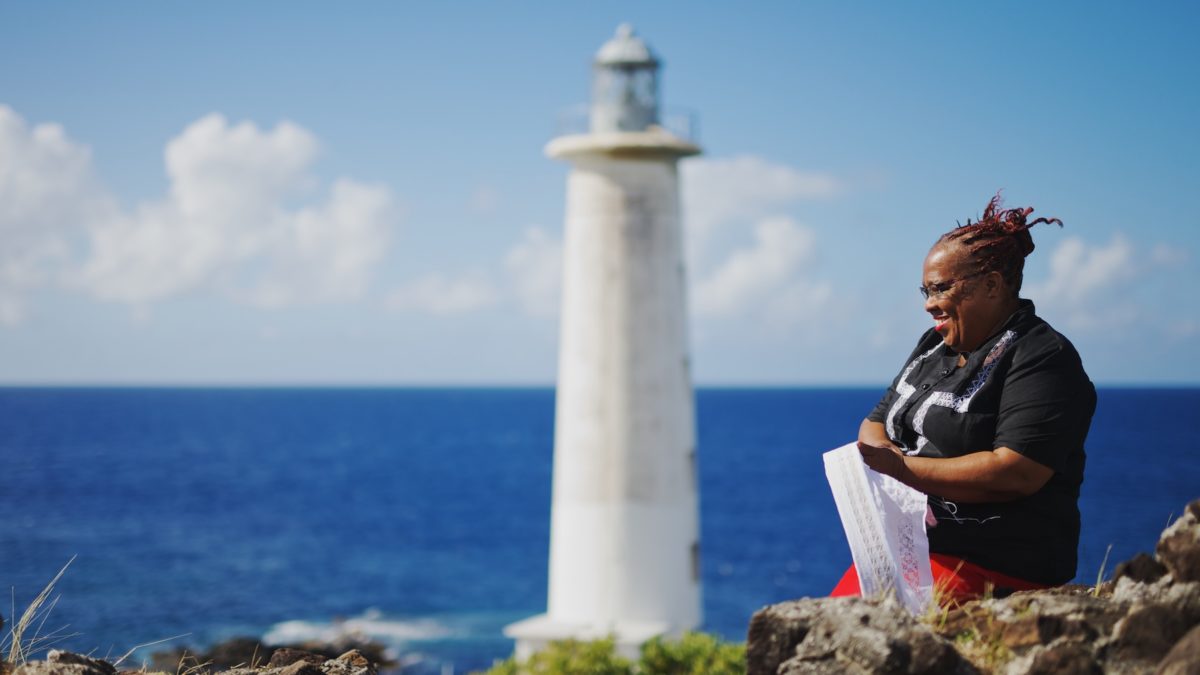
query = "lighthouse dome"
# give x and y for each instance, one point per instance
(625, 49)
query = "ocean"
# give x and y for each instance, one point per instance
(421, 516)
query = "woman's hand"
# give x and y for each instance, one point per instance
(989, 476)
(886, 461)
(878, 451)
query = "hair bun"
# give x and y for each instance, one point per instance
(1013, 223)
(1000, 239)
(1024, 241)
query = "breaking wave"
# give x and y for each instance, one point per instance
(453, 642)
(370, 625)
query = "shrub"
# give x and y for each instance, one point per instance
(693, 654)
(569, 657)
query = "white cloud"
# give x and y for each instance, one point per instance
(801, 300)
(743, 189)
(532, 278)
(220, 171)
(46, 190)
(1081, 277)
(729, 200)
(1078, 271)
(534, 267)
(766, 275)
(327, 252)
(226, 223)
(438, 295)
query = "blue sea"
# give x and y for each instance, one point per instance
(421, 516)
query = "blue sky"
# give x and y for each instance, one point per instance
(308, 193)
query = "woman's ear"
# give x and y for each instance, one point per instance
(994, 284)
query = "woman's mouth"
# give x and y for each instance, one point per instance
(940, 322)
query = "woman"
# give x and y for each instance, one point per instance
(988, 417)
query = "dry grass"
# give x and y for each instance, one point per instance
(943, 602)
(1100, 574)
(20, 642)
(133, 649)
(972, 626)
(976, 635)
(195, 669)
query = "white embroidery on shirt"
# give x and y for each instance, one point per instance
(945, 399)
(960, 404)
(905, 391)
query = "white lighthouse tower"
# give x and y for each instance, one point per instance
(624, 541)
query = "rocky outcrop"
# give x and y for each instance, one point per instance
(239, 656)
(240, 653)
(65, 663)
(835, 635)
(1145, 620)
(306, 663)
(1179, 547)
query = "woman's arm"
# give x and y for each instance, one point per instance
(989, 476)
(874, 435)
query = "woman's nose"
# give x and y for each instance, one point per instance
(931, 304)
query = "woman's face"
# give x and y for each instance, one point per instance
(961, 301)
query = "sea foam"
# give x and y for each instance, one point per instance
(370, 625)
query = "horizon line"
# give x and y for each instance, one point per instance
(1114, 384)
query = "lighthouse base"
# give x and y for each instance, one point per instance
(537, 632)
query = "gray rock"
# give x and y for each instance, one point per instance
(1182, 597)
(1147, 633)
(1184, 657)
(1035, 618)
(243, 652)
(1179, 547)
(836, 635)
(286, 656)
(60, 657)
(1141, 567)
(774, 633)
(1128, 591)
(358, 661)
(47, 668)
(66, 663)
(352, 662)
(236, 652)
(1060, 657)
(301, 668)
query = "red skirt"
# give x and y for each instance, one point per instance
(955, 579)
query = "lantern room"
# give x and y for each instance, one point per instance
(624, 84)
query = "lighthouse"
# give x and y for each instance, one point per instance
(624, 540)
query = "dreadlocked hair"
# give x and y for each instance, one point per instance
(999, 240)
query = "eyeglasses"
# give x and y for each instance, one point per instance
(939, 289)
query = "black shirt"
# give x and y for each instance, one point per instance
(1024, 389)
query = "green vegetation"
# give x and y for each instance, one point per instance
(569, 657)
(693, 654)
(989, 654)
